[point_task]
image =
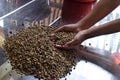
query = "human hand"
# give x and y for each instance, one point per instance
(75, 42)
(68, 28)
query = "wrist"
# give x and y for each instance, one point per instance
(83, 25)
(85, 34)
(82, 35)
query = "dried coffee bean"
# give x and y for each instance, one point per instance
(31, 52)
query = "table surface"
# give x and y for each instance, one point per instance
(38, 10)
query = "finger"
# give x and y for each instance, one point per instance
(52, 34)
(60, 29)
(65, 47)
(58, 46)
(57, 30)
(61, 46)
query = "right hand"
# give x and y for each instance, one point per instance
(74, 43)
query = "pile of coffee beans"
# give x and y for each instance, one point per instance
(32, 52)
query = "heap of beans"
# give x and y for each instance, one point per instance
(31, 52)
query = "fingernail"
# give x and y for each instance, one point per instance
(58, 45)
(52, 34)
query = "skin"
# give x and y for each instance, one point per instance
(85, 29)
